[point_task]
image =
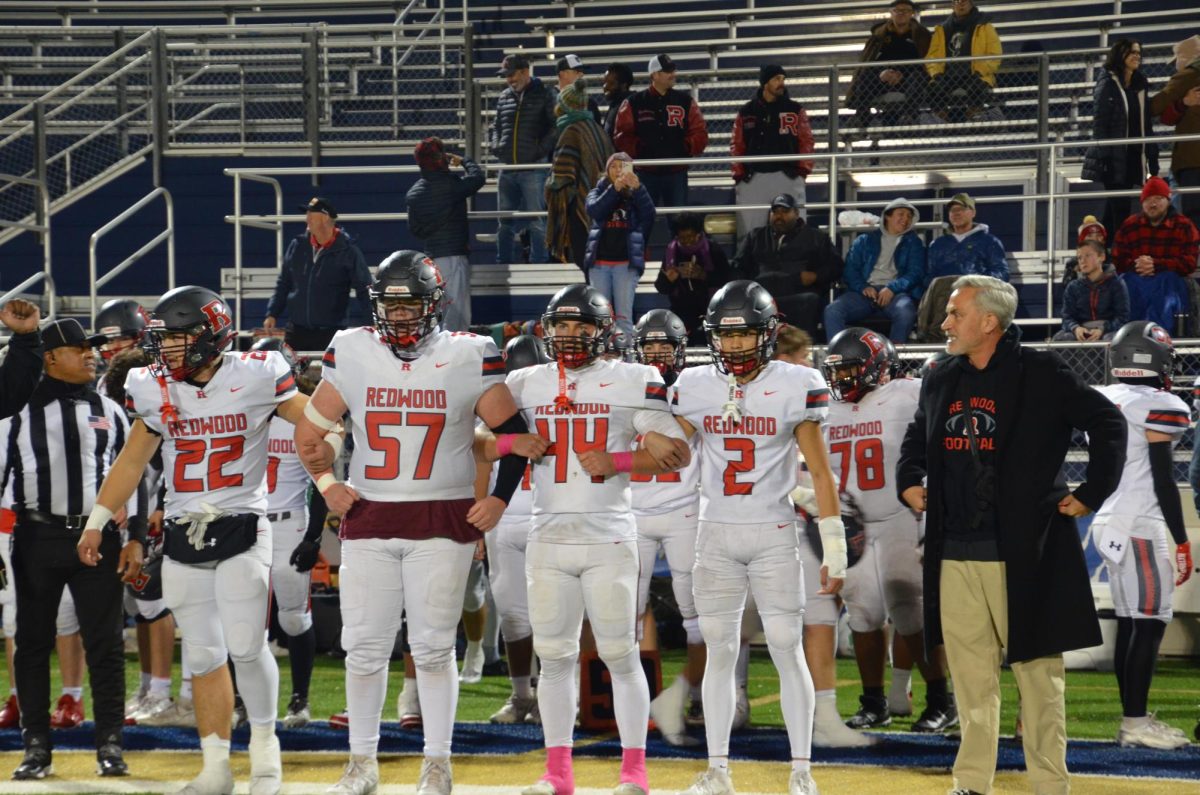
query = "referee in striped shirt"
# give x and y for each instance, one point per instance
(59, 449)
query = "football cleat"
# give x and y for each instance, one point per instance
(68, 713)
(298, 714)
(266, 765)
(801, 783)
(37, 762)
(110, 761)
(515, 710)
(1151, 735)
(870, 715)
(436, 777)
(360, 777)
(936, 719)
(713, 781)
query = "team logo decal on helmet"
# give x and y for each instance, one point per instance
(298, 364)
(585, 304)
(120, 319)
(858, 360)
(1143, 349)
(406, 301)
(661, 326)
(188, 330)
(741, 306)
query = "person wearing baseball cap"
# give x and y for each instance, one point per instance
(661, 122)
(315, 298)
(771, 123)
(1155, 251)
(570, 69)
(530, 102)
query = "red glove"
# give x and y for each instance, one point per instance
(1183, 562)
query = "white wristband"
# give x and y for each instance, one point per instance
(334, 440)
(325, 481)
(97, 520)
(317, 418)
(833, 542)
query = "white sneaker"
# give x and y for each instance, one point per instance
(667, 710)
(135, 703)
(741, 710)
(298, 715)
(1150, 736)
(801, 783)
(436, 777)
(835, 734)
(514, 710)
(151, 708)
(185, 714)
(361, 777)
(628, 788)
(211, 781)
(1165, 727)
(472, 667)
(542, 787)
(713, 781)
(266, 766)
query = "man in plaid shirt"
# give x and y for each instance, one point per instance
(1154, 252)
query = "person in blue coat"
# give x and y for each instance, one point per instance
(622, 214)
(884, 275)
(968, 248)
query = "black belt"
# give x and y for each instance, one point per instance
(279, 517)
(75, 522)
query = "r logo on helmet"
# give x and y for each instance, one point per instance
(218, 316)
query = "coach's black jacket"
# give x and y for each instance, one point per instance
(1050, 607)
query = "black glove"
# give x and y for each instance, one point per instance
(304, 556)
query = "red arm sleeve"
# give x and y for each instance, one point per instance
(737, 146)
(805, 143)
(624, 131)
(697, 134)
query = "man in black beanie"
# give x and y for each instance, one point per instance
(772, 123)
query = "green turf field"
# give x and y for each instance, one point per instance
(1093, 709)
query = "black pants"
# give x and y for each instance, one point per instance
(802, 310)
(307, 338)
(44, 562)
(579, 235)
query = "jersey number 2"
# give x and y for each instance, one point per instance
(378, 421)
(743, 463)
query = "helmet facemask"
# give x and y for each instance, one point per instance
(746, 360)
(403, 321)
(575, 350)
(849, 379)
(668, 362)
(181, 353)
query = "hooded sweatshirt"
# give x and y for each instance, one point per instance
(880, 259)
(1106, 299)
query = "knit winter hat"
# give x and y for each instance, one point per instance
(901, 202)
(615, 157)
(1090, 224)
(431, 154)
(768, 71)
(1156, 186)
(1187, 52)
(574, 96)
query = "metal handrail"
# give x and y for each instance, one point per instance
(275, 226)
(51, 293)
(168, 235)
(44, 230)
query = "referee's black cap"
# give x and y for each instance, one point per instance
(68, 333)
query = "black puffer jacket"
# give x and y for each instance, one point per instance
(524, 130)
(1110, 119)
(437, 209)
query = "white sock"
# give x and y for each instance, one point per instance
(901, 684)
(185, 689)
(474, 649)
(826, 707)
(364, 703)
(74, 692)
(1129, 724)
(719, 762)
(160, 688)
(522, 686)
(258, 685)
(557, 693)
(631, 698)
(438, 686)
(796, 699)
(215, 751)
(742, 669)
(801, 766)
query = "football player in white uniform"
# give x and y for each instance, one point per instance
(867, 421)
(1132, 526)
(410, 520)
(582, 549)
(209, 410)
(666, 508)
(753, 414)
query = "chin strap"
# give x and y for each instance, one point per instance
(731, 411)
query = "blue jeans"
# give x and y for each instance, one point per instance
(456, 306)
(851, 307)
(1158, 298)
(618, 283)
(521, 191)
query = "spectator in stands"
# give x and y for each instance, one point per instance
(1090, 229)
(523, 132)
(618, 80)
(1096, 305)
(320, 267)
(884, 275)
(437, 215)
(960, 90)
(894, 90)
(795, 262)
(693, 268)
(570, 69)
(1121, 109)
(1179, 104)
(622, 216)
(579, 161)
(965, 248)
(660, 122)
(1155, 251)
(772, 123)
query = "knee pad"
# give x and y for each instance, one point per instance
(720, 638)
(624, 664)
(692, 627)
(150, 610)
(613, 649)
(783, 631)
(295, 623)
(557, 669)
(67, 622)
(515, 627)
(431, 660)
(552, 648)
(201, 658)
(864, 619)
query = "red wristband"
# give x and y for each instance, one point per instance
(504, 444)
(623, 462)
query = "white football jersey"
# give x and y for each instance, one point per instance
(287, 479)
(864, 440)
(747, 471)
(1145, 409)
(654, 495)
(413, 421)
(612, 402)
(215, 450)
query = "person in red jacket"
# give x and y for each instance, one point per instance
(770, 124)
(660, 122)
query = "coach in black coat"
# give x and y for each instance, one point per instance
(1027, 405)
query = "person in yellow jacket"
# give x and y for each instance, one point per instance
(962, 89)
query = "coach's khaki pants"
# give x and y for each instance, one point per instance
(974, 600)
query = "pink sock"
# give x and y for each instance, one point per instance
(633, 767)
(559, 771)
